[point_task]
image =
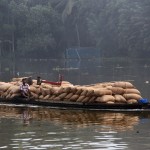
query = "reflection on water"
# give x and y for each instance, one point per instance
(45, 128)
(81, 119)
(69, 118)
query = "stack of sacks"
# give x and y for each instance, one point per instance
(109, 92)
(62, 93)
(129, 92)
(72, 93)
(40, 91)
(9, 90)
(121, 92)
(116, 92)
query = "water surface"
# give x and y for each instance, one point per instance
(46, 128)
(55, 129)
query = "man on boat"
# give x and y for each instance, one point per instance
(39, 80)
(24, 88)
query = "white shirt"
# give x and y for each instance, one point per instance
(25, 87)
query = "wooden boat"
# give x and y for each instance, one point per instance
(105, 95)
(79, 105)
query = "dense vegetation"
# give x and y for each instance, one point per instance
(45, 28)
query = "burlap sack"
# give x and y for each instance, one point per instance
(132, 101)
(35, 85)
(38, 91)
(41, 97)
(110, 102)
(86, 99)
(74, 98)
(34, 95)
(66, 83)
(55, 90)
(57, 99)
(110, 83)
(46, 97)
(43, 92)
(123, 84)
(63, 95)
(132, 91)
(102, 91)
(98, 85)
(52, 97)
(98, 99)
(1, 93)
(116, 90)
(84, 92)
(13, 89)
(90, 92)
(13, 83)
(48, 86)
(33, 89)
(68, 96)
(66, 89)
(92, 99)
(47, 91)
(16, 83)
(80, 98)
(4, 94)
(34, 81)
(5, 86)
(73, 90)
(105, 99)
(8, 96)
(15, 95)
(132, 96)
(79, 91)
(120, 99)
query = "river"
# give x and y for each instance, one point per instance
(23, 127)
(28, 127)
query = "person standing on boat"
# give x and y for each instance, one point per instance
(24, 88)
(39, 80)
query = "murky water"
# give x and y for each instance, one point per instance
(86, 71)
(54, 129)
(46, 128)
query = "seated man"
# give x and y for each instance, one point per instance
(24, 88)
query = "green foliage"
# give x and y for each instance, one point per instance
(116, 27)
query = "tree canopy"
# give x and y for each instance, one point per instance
(45, 28)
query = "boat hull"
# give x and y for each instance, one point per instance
(77, 105)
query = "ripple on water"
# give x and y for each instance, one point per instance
(3, 147)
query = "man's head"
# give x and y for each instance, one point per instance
(23, 80)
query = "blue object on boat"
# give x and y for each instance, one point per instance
(143, 101)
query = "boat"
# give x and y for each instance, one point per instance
(79, 105)
(113, 96)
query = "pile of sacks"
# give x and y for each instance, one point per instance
(109, 92)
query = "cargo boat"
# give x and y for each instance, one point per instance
(79, 105)
(116, 95)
